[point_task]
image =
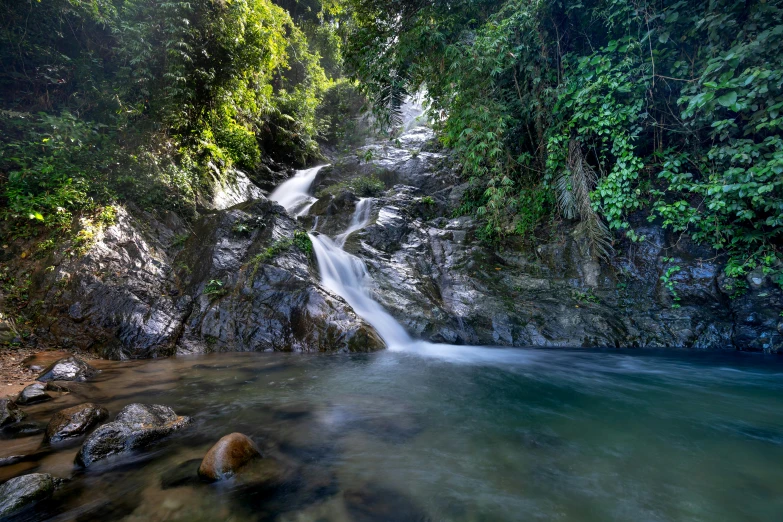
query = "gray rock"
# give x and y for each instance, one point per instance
(74, 422)
(33, 394)
(68, 369)
(25, 491)
(136, 427)
(10, 413)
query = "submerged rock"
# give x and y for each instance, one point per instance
(68, 369)
(22, 492)
(33, 394)
(137, 426)
(227, 456)
(10, 412)
(74, 422)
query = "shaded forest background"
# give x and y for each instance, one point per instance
(596, 111)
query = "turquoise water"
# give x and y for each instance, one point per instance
(490, 435)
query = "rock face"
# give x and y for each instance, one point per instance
(436, 277)
(68, 369)
(227, 456)
(234, 280)
(74, 422)
(137, 426)
(236, 283)
(33, 394)
(10, 413)
(22, 492)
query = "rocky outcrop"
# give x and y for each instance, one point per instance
(151, 286)
(25, 491)
(227, 457)
(269, 297)
(74, 422)
(444, 285)
(10, 413)
(137, 426)
(68, 369)
(33, 394)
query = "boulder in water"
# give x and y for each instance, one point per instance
(9, 412)
(137, 426)
(74, 422)
(33, 394)
(21, 492)
(227, 456)
(68, 369)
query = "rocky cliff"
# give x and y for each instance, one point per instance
(242, 278)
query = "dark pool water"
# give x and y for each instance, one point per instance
(483, 435)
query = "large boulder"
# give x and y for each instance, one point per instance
(74, 422)
(9, 412)
(68, 369)
(227, 456)
(33, 394)
(22, 492)
(137, 426)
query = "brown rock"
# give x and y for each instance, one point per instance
(74, 421)
(227, 456)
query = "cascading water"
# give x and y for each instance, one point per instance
(360, 219)
(346, 275)
(294, 194)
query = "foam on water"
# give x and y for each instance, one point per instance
(294, 194)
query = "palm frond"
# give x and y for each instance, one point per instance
(573, 187)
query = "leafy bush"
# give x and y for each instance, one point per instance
(596, 110)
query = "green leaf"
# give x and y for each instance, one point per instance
(728, 99)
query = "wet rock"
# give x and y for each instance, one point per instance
(227, 456)
(33, 394)
(25, 491)
(57, 387)
(372, 503)
(137, 426)
(13, 459)
(68, 369)
(275, 301)
(74, 422)
(10, 413)
(23, 429)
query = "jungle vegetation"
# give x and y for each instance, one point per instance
(600, 110)
(603, 111)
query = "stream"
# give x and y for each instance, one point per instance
(577, 435)
(426, 431)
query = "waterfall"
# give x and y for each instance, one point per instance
(294, 194)
(360, 219)
(346, 275)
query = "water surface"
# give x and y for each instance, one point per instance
(482, 436)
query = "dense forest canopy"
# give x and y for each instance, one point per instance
(605, 111)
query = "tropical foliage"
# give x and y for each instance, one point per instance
(597, 110)
(154, 102)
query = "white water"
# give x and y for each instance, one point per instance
(346, 275)
(360, 219)
(294, 194)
